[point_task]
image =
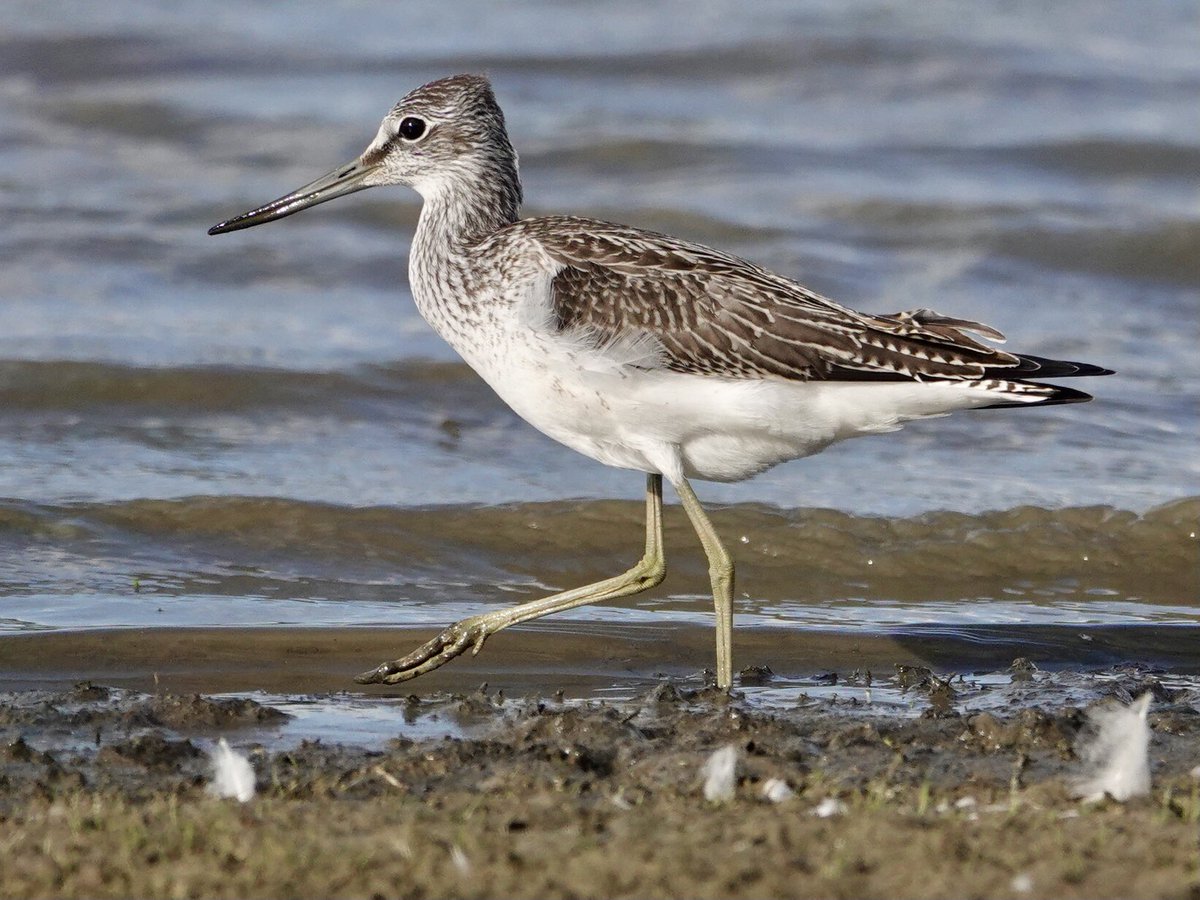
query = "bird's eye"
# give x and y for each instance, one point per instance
(411, 128)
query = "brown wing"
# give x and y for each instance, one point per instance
(717, 314)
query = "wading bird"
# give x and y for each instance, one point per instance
(644, 351)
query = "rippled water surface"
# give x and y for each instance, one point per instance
(260, 430)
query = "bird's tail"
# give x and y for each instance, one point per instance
(1020, 392)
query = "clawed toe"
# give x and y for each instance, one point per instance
(378, 675)
(452, 642)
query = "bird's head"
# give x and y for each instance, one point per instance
(445, 134)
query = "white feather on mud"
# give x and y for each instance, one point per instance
(232, 774)
(720, 774)
(776, 790)
(1117, 752)
(828, 808)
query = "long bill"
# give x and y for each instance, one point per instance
(341, 181)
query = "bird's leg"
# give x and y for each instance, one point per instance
(470, 633)
(720, 571)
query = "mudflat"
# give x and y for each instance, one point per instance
(103, 792)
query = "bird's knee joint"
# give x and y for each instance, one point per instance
(651, 573)
(721, 573)
(652, 579)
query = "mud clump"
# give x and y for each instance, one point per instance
(153, 750)
(1028, 730)
(197, 712)
(93, 706)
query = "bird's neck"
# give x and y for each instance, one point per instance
(457, 214)
(463, 210)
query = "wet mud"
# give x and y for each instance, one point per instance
(102, 793)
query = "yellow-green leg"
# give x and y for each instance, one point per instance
(720, 571)
(471, 633)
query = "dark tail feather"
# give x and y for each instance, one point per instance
(1056, 394)
(1027, 367)
(1040, 367)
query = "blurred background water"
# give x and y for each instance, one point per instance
(259, 429)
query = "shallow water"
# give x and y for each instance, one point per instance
(884, 673)
(251, 561)
(259, 430)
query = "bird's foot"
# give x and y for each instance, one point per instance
(469, 634)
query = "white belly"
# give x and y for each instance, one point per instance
(699, 426)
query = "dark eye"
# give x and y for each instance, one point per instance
(411, 128)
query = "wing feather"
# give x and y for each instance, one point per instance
(714, 313)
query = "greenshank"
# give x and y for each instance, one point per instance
(644, 351)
